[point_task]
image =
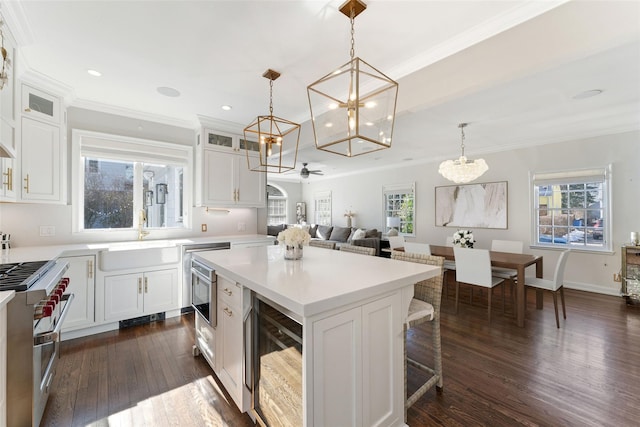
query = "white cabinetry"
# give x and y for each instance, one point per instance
(361, 345)
(42, 148)
(136, 294)
(8, 184)
(223, 178)
(82, 282)
(229, 346)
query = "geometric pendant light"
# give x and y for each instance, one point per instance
(276, 138)
(462, 170)
(353, 108)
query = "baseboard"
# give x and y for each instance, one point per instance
(79, 333)
(589, 287)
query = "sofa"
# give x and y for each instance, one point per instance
(347, 235)
(339, 235)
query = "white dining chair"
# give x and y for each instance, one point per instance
(473, 266)
(554, 285)
(396, 242)
(510, 246)
(417, 248)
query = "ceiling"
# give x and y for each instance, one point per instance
(510, 69)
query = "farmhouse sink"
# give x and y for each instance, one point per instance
(138, 254)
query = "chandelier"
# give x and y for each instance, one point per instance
(353, 108)
(276, 138)
(4, 78)
(462, 170)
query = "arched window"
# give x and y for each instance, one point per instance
(276, 205)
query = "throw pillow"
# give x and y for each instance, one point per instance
(340, 234)
(312, 230)
(324, 232)
(371, 233)
(359, 234)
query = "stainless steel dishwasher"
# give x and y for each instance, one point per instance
(187, 250)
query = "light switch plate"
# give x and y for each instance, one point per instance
(203, 227)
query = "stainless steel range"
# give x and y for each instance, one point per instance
(34, 319)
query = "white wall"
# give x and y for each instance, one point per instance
(23, 221)
(362, 193)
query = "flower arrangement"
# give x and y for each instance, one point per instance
(463, 238)
(294, 236)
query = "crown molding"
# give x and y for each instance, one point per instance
(17, 22)
(222, 125)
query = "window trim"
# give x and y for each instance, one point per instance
(574, 176)
(118, 147)
(396, 189)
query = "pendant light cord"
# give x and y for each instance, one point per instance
(353, 32)
(271, 97)
(461, 126)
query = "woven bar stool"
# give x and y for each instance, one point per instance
(424, 307)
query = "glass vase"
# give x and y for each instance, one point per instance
(293, 252)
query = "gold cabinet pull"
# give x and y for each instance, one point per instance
(146, 286)
(227, 311)
(26, 180)
(238, 190)
(139, 285)
(90, 266)
(227, 291)
(9, 181)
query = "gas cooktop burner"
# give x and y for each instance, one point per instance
(20, 276)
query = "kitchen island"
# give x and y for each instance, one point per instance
(351, 308)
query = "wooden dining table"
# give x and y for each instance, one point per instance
(517, 262)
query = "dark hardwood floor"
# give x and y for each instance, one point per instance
(587, 373)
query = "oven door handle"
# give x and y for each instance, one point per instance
(48, 337)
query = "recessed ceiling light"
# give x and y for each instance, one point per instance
(588, 94)
(94, 73)
(168, 91)
(226, 107)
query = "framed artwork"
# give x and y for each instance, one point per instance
(472, 205)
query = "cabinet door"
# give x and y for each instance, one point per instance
(123, 297)
(41, 159)
(219, 183)
(160, 291)
(40, 105)
(229, 353)
(8, 187)
(82, 285)
(251, 186)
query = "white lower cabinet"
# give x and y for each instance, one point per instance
(230, 342)
(82, 282)
(136, 294)
(354, 355)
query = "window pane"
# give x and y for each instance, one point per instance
(108, 194)
(161, 186)
(401, 204)
(571, 215)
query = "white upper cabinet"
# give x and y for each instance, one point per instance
(8, 184)
(40, 105)
(223, 178)
(43, 148)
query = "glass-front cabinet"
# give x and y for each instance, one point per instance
(631, 274)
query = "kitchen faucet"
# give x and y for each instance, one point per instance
(142, 218)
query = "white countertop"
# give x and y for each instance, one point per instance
(322, 280)
(43, 253)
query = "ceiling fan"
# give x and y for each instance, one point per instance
(304, 172)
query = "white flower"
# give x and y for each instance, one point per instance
(463, 238)
(294, 236)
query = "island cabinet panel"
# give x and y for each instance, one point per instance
(355, 355)
(230, 343)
